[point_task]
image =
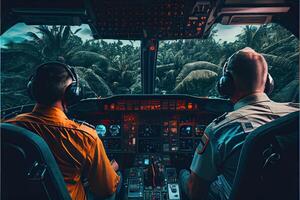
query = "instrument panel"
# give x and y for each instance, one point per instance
(152, 124)
(151, 132)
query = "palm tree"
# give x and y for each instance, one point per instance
(50, 43)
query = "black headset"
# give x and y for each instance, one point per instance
(226, 87)
(73, 93)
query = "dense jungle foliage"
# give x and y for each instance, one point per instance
(183, 66)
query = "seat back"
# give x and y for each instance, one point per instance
(269, 162)
(28, 168)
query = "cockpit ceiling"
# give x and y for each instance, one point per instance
(138, 19)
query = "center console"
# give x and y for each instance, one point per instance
(151, 177)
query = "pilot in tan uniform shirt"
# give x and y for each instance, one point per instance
(245, 82)
(227, 134)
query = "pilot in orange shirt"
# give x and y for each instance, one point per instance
(76, 147)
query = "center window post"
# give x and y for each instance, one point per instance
(149, 49)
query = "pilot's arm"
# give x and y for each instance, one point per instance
(102, 178)
(203, 172)
(207, 161)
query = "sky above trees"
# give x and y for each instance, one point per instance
(17, 33)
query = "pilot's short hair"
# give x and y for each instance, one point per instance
(246, 64)
(49, 83)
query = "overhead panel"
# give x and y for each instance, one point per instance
(169, 19)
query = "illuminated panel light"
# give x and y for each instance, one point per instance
(173, 123)
(112, 106)
(193, 18)
(158, 107)
(174, 148)
(181, 105)
(152, 48)
(190, 106)
(173, 130)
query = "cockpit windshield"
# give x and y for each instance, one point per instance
(108, 67)
(192, 66)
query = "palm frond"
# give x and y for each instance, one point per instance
(77, 30)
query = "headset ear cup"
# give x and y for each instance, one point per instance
(225, 85)
(269, 84)
(73, 94)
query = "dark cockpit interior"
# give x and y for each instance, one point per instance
(152, 136)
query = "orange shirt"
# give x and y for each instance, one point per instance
(77, 149)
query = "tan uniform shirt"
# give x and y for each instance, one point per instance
(77, 149)
(227, 134)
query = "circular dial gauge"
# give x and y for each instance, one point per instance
(101, 130)
(114, 130)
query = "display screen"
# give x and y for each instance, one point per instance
(101, 130)
(186, 130)
(114, 130)
(111, 130)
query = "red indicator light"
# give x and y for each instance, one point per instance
(112, 106)
(190, 106)
(152, 48)
(199, 29)
(173, 130)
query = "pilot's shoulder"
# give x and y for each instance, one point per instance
(20, 117)
(283, 108)
(85, 127)
(289, 105)
(226, 118)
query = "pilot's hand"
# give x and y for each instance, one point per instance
(114, 164)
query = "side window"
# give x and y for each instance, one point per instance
(193, 66)
(104, 67)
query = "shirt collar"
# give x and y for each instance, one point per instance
(51, 112)
(251, 99)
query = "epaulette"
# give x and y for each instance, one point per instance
(247, 127)
(84, 123)
(220, 118)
